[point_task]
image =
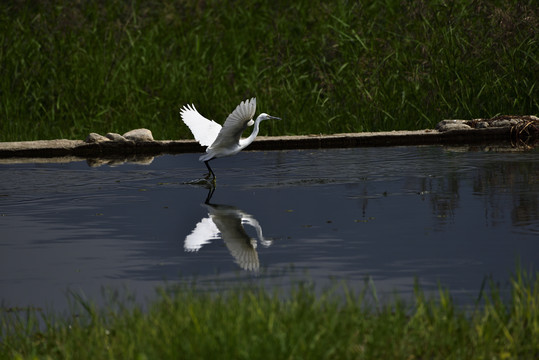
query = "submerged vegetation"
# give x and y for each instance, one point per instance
(69, 68)
(251, 323)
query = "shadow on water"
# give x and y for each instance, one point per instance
(443, 216)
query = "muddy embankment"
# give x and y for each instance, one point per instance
(508, 132)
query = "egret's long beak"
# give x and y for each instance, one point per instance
(275, 118)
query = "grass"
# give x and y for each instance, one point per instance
(251, 323)
(69, 68)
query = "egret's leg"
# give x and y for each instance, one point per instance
(210, 170)
(210, 194)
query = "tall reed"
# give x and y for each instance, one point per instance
(69, 68)
(246, 323)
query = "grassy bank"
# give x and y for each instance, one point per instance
(251, 323)
(68, 68)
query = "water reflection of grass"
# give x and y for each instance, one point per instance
(68, 68)
(252, 323)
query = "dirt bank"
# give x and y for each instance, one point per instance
(456, 132)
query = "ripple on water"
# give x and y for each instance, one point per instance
(392, 214)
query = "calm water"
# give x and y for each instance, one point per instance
(437, 214)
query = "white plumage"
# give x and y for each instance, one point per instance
(228, 223)
(226, 140)
(205, 131)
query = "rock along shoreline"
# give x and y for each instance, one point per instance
(501, 129)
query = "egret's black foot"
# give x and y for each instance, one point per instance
(210, 177)
(208, 181)
(203, 182)
(211, 182)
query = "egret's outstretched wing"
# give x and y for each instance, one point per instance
(235, 123)
(204, 232)
(228, 220)
(238, 242)
(244, 253)
(204, 130)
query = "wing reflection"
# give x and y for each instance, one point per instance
(227, 222)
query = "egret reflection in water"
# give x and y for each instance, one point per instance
(227, 222)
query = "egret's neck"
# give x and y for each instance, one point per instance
(245, 142)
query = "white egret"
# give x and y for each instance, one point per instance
(228, 223)
(226, 140)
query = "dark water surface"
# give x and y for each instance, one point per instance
(394, 214)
